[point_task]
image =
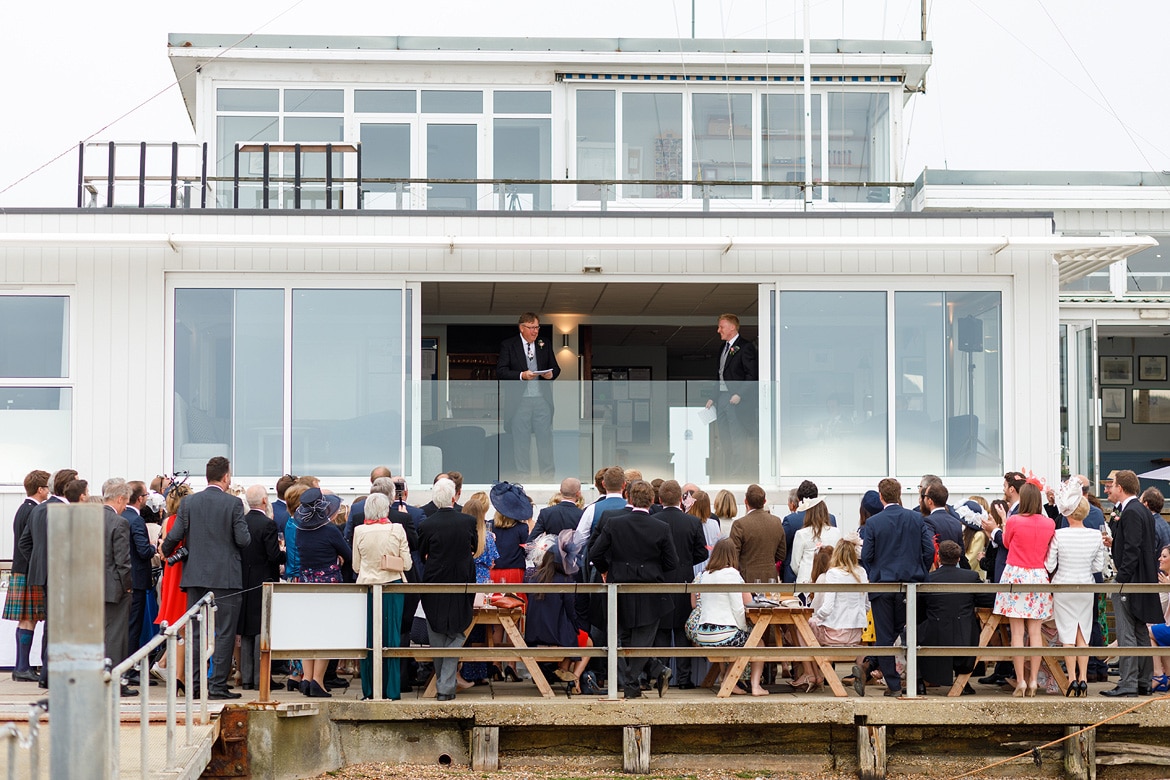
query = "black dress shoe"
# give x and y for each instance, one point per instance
(128, 691)
(1143, 690)
(633, 693)
(222, 695)
(1117, 693)
(445, 697)
(317, 692)
(336, 682)
(968, 690)
(29, 676)
(662, 682)
(893, 692)
(993, 679)
(921, 688)
(686, 686)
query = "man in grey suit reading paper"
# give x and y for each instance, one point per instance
(211, 524)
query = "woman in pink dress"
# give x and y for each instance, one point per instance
(1027, 535)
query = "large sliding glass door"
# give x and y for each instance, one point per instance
(294, 378)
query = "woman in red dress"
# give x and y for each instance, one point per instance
(172, 600)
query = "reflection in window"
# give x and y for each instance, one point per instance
(311, 101)
(232, 130)
(348, 369)
(523, 150)
(832, 386)
(948, 383)
(386, 154)
(782, 143)
(722, 128)
(1147, 269)
(859, 145)
(247, 99)
(312, 129)
(229, 369)
(452, 153)
(652, 143)
(384, 101)
(38, 430)
(596, 139)
(42, 348)
(452, 101)
(1096, 282)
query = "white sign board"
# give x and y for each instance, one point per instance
(318, 621)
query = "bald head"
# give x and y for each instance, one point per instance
(256, 495)
(570, 488)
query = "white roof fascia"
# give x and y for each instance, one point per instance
(1047, 198)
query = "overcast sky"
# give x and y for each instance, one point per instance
(1015, 84)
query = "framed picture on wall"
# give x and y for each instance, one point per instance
(1113, 402)
(1112, 431)
(1117, 370)
(1152, 368)
(1151, 406)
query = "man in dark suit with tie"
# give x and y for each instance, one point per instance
(528, 409)
(948, 619)
(118, 579)
(259, 562)
(142, 554)
(635, 547)
(34, 545)
(735, 403)
(1135, 556)
(896, 547)
(691, 547)
(447, 543)
(212, 527)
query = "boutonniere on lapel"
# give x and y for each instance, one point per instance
(540, 343)
(732, 351)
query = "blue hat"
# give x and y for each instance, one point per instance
(316, 509)
(974, 507)
(511, 501)
(871, 502)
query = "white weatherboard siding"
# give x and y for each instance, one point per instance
(115, 268)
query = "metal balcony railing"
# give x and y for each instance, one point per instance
(176, 175)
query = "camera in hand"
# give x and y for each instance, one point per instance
(178, 556)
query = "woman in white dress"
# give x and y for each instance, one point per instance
(817, 532)
(1074, 555)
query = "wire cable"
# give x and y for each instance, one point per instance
(148, 100)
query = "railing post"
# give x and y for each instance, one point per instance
(236, 180)
(110, 177)
(203, 180)
(79, 743)
(706, 197)
(604, 198)
(398, 195)
(174, 172)
(142, 175)
(267, 174)
(297, 176)
(611, 638)
(361, 196)
(328, 176)
(80, 174)
(910, 679)
(376, 630)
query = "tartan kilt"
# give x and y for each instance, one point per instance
(24, 601)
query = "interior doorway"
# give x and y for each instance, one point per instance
(653, 345)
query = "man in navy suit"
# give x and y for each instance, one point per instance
(142, 554)
(564, 514)
(735, 404)
(528, 410)
(896, 546)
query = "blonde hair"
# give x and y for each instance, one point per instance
(292, 496)
(476, 506)
(725, 507)
(845, 557)
(175, 497)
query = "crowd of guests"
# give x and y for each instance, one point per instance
(167, 546)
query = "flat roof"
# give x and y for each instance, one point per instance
(599, 45)
(944, 178)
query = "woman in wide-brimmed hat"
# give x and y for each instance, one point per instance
(322, 550)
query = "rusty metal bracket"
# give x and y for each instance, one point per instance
(229, 752)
